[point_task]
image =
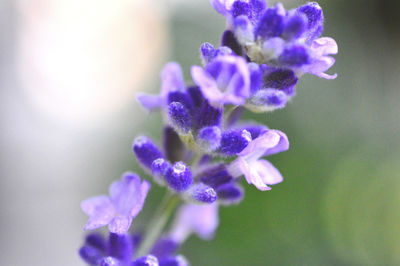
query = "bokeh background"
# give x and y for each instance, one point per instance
(69, 73)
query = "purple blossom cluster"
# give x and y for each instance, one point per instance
(207, 148)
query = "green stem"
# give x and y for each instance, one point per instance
(158, 223)
(229, 111)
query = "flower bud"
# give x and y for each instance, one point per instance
(179, 177)
(146, 152)
(179, 117)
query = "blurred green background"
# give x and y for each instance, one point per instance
(339, 203)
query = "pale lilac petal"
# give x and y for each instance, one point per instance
(273, 47)
(260, 145)
(222, 6)
(199, 219)
(324, 46)
(320, 65)
(172, 79)
(100, 211)
(120, 224)
(144, 189)
(125, 194)
(93, 205)
(283, 144)
(251, 175)
(327, 76)
(206, 83)
(267, 172)
(150, 102)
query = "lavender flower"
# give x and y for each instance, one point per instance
(179, 177)
(172, 81)
(118, 210)
(226, 79)
(256, 171)
(206, 148)
(199, 219)
(276, 37)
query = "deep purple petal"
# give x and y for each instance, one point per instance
(120, 246)
(90, 255)
(234, 141)
(295, 26)
(270, 25)
(96, 240)
(229, 40)
(295, 56)
(164, 247)
(174, 148)
(315, 19)
(208, 115)
(230, 193)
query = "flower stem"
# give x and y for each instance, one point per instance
(158, 223)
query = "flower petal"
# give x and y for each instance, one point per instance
(125, 194)
(206, 83)
(257, 147)
(199, 219)
(120, 224)
(251, 175)
(99, 209)
(150, 102)
(172, 79)
(324, 46)
(144, 189)
(283, 144)
(267, 172)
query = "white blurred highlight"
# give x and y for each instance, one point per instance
(81, 59)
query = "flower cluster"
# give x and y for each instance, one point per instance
(207, 148)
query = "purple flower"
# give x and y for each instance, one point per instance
(226, 79)
(209, 138)
(148, 260)
(280, 38)
(199, 219)
(201, 193)
(321, 49)
(117, 250)
(256, 171)
(146, 151)
(179, 177)
(172, 80)
(234, 141)
(117, 210)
